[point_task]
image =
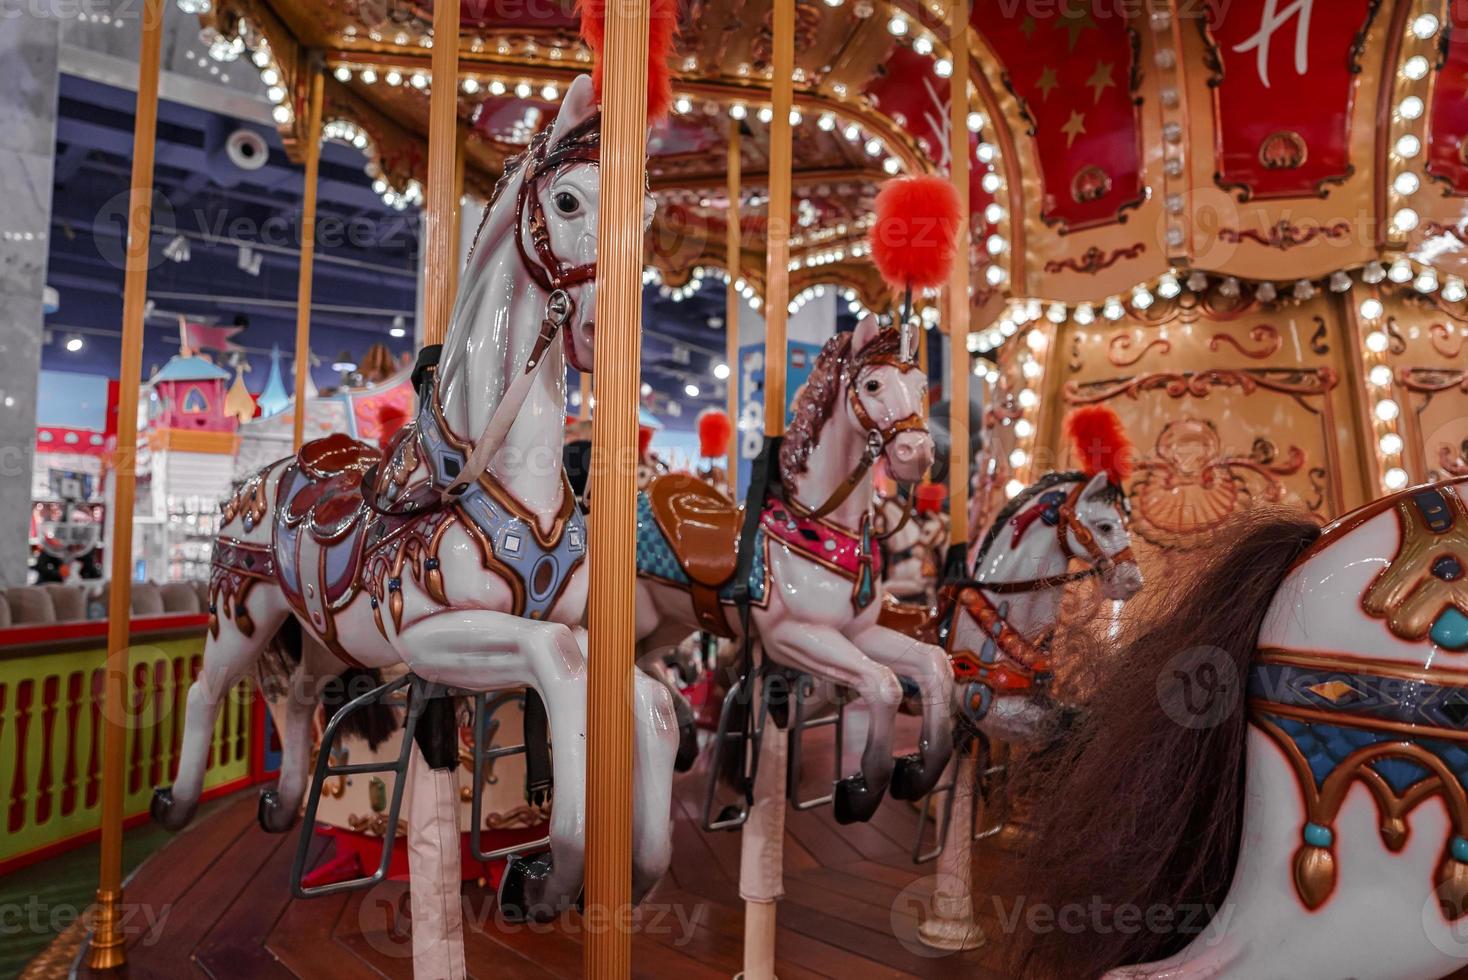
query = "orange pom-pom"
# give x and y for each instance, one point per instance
(662, 29)
(915, 236)
(714, 432)
(644, 439)
(1100, 442)
(929, 498)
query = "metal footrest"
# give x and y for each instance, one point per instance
(803, 688)
(986, 769)
(485, 752)
(420, 691)
(741, 742)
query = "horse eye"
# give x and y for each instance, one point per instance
(873, 386)
(566, 202)
(1105, 528)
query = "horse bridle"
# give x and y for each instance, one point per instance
(549, 271)
(878, 438)
(1068, 524)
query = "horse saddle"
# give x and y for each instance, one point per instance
(330, 499)
(702, 527)
(917, 620)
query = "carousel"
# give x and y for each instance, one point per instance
(1071, 584)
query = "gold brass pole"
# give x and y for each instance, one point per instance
(308, 251)
(107, 951)
(440, 247)
(958, 303)
(455, 268)
(613, 534)
(732, 237)
(777, 259)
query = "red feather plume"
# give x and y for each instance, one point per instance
(714, 431)
(1100, 442)
(915, 236)
(644, 439)
(663, 28)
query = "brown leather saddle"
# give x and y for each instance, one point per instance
(331, 501)
(702, 527)
(913, 619)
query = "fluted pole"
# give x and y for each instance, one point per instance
(764, 833)
(613, 531)
(777, 259)
(958, 303)
(440, 246)
(308, 251)
(107, 950)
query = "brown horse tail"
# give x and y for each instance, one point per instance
(1139, 815)
(373, 723)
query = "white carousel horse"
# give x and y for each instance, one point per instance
(814, 576)
(911, 551)
(1279, 749)
(459, 551)
(1002, 621)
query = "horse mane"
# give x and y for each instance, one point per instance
(816, 399)
(1143, 807)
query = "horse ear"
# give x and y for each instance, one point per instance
(578, 106)
(866, 331)
(1097, 486)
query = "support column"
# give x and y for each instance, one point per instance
(732, 299)
(440, 245)
(763, 841)
(308, 250)
(613, 532)
(107, 950)
(958, 283)
(29, 49)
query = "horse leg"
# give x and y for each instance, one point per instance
(916, 774)
(655, 743)
(483, 650)
(655, 642)
(280, 805)
(824, 652)
(227, 658)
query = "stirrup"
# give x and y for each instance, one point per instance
(802, 688)
(745, 742)
(419, 694)
(485, 752)
(986, 771)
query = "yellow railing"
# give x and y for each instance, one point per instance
(50, 738)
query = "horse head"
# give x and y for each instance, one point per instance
(1096, 532)
(886, 398)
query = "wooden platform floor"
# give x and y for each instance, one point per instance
(220, 894)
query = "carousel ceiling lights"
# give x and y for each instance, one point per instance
(1409, 88)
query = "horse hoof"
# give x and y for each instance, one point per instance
(166, 811)
(687, 747)
(855, 800)
(910, 779)
(272, 814)
(522, 890)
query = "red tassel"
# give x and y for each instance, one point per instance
(1100, 442)
(714, 432)
(663, 28)
(915, 237)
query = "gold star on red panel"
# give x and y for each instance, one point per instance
(1047, 83)
(1074, 126)
(1100, 79)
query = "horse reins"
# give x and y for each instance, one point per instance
(1069, 523)
(550, 273)
(878, 438)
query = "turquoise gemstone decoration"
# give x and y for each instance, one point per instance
(1460, 849)
(1450, 631)
(1318, 836)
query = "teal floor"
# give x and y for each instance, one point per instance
(38, 902)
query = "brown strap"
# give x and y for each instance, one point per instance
(1039, 584)
(906, 516)
(853, 479)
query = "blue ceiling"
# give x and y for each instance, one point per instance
(365, 273)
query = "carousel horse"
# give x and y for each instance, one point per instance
(814, 569)
(458, 551)
(1279, 750)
